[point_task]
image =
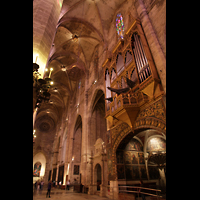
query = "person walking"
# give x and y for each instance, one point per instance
(48, 189)
(68, 183)
(41, 185)
(35, 186)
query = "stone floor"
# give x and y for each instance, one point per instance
(57, 194)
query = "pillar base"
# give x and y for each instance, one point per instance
(92, 189)
(114, 190)
(103, 191)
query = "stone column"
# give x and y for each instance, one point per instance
(57, 174)
(46, 175)
(103, 186)
(91, 186)
(114, 190)
(154, 45)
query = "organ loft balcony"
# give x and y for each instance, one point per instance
(131, 78)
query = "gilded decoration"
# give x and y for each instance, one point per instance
(117, 134)
(154, 115)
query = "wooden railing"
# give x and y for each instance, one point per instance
(122, 100)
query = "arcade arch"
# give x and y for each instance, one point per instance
(132, 157)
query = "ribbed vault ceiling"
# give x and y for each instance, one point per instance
(90, 21)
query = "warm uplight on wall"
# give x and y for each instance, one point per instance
(73, 158)
(35, 57)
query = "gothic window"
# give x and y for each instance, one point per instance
(120, 26)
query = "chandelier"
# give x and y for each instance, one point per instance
(42, 86)
(42, 89)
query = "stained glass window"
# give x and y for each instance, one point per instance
(120, 25)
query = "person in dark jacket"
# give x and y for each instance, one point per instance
(48, 189)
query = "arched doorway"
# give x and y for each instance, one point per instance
(98, 176)
(132, 156)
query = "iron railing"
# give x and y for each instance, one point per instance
(134, 189)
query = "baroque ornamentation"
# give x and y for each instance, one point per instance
(119, 130)
(154, 116)
(156, 110)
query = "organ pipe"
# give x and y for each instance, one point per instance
(140, 58)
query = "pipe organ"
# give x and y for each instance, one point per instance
(131, 78)
(140, 58)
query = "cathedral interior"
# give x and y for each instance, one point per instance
(99, 94)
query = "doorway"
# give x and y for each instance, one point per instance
(98, 176)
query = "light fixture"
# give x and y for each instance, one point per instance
(34, 136)
(63, 68)
(42, 86)
(75, 38)
(51, 69)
